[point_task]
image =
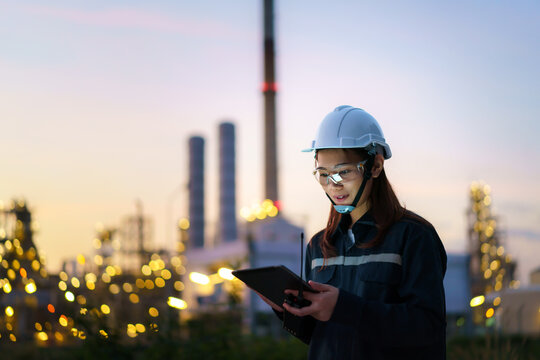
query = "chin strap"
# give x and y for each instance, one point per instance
(347, 209)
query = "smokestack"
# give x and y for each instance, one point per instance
(227, 183)
(196, 192)
(269, 91)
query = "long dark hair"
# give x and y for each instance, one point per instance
(385, 209)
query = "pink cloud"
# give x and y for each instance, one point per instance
(130, 18)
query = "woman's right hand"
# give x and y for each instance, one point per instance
(266, 300)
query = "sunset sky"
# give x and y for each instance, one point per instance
(98, 100)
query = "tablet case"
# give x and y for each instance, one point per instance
(272, 281)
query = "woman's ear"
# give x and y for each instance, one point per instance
(377, 166)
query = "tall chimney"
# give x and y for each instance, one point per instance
(227, 183)
(196, 192)
(269, 91)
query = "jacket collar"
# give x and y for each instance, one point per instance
(366, 220)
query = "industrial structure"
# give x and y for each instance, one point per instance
(93, 296)
(269, 92)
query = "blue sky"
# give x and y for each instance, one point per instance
(97, 101)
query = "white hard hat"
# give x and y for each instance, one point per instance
(348, 127)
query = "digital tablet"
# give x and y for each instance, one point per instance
(272, 281)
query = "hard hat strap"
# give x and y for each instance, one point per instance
(367, 176)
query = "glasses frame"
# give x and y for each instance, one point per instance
(339, 180)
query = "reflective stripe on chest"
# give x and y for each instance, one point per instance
(357, 260)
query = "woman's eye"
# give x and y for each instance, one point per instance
(343, 173)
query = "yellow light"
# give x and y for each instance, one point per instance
(139, 283)
(131, 330)
(178, 285)
(176, 303)
(477, 300)
(497, 301)
(81, 299)
(75, 282)
(134, 298)
(11, 274)
(59, 337)
(140, 327)
(183, 224)
(35, 265)
(90, 277)
(98, 259)
(160, 282)
(106, 278)
(160, 264)
(12, 337)
(38, 326)
(154, 265)
(30, 288)
(199, 278)
(97, 243)
(176, 261)
(153, 312)
(42, 336)
(127, 287)
(487, 274)
(63, 320)
(225, 273)
(81, 259)
(62, 285)
(63, 276)
(500, 251)
(149, 284)
(490, 312)
(103, 333)
(82, 335)
(16, 264)
(90, 285)
(9, 311)
(69, 296)
(273, 211)
(166, 274)
(245, 212)
(114, 289)
(110, 270)
(105, 309)
(7, 287)
(146, 270)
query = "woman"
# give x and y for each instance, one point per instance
(378, 268)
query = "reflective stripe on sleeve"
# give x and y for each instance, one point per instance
(357, 260)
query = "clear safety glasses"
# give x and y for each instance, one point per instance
(340, 174)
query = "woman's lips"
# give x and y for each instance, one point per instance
(340, 198)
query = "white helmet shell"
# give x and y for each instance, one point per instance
(348, 127)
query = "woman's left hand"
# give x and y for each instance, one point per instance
(322, 303)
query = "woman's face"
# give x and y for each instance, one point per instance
(331, 161)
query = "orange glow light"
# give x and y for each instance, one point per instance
(23, 273)
(51, 309)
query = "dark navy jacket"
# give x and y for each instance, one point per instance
(391, 302)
